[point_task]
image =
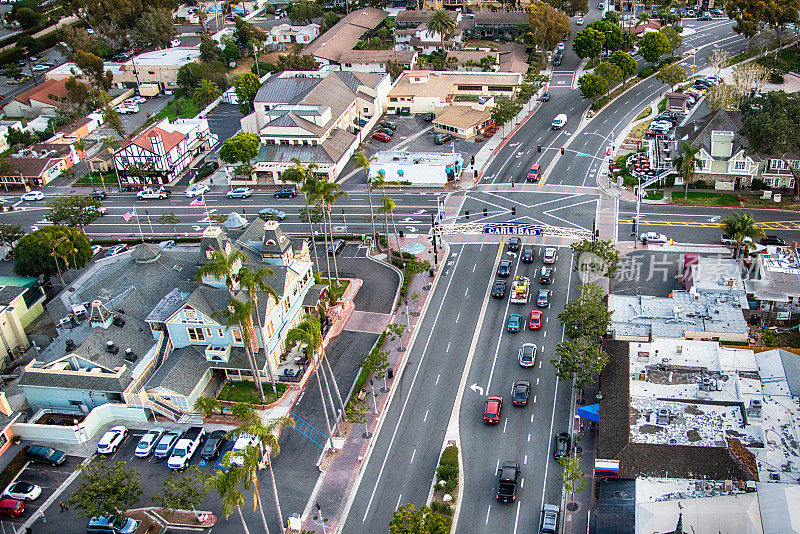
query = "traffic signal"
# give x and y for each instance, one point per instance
(472, 160)
(562, 149)
(539, 149)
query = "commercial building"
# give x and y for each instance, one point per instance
(464, 121)
(344, 35)
(774, 282)
(376, 60)
(429, 169)
(42, 99)
(39, 164)
(21, 301)
(158, 67)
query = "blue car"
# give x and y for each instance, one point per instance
(514, 322)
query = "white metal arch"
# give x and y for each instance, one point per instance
(511, 228)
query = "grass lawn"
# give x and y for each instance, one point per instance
(662, 105)
(187, 110)
(655, 195)
(243, 391)
(108, 178)
(13, 468)
(637, 132)
(704, 197)
(336, 289)
(645, 112)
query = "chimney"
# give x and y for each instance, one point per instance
(5, 408)
(157, 142)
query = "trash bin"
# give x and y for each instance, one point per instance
(390, 373)
(431, 273)
(401, 233)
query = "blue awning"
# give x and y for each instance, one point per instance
(590, 412)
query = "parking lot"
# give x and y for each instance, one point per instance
(133, 121)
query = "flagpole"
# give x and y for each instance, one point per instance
(141, 234)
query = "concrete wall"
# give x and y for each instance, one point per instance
(84, 431)
(63, 399)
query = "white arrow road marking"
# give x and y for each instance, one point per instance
(43, 221)
(408, 219)
(411, 229)
(34, 228)
(714, 219)
(197, 228)
(477, 389)
(512, 254)
(419, 212)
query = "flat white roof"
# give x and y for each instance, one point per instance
(167, 56)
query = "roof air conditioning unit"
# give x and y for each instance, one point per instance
(111, 348)
(662, 417)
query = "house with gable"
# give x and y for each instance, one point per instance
(725, 158)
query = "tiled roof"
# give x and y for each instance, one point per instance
(44, 93)
(171, 139)
(678, 461)
(344, 35)
(463, 116)
(9, 293)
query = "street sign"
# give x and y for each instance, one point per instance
(512, 228)
(582, 155)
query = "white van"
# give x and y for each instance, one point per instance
(559, 121)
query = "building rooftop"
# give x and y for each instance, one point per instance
(463, 116)
(377, 56)
(345, 34)
(683, 315)
(776, 275)
(424, 83)
(176, 56)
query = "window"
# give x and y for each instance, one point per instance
(208, 332)
(237, 335)
(500, 88)
(219, 333)
(151, 72)
(348, 65)
(270, 329)
(739, 165)
(469, 87)
(196, 334)
(393, 99)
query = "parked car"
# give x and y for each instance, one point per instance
(39, 68)
(241, 443)
(96, 249)
(545, 96)
(116, 250)
(32, 195)
(150, 194)
(195, 190)
(727, 240)
(387, 131)
(109, 525)
(388, 124)
(213, 445)
(44, 455)
(286, 192)
(562, 445)
(148, 442)
(428, 117)
(271, 214)
(336, 247)
(382, 137)
(240, 192)
(11, 507)
(773, 240)
(548, 521)
(167, 443)
(442, 138)
(166, 244)
(705, 16)
(579, 22)
(109, 442)
(125, 109)
(22, 491)
(186, 447)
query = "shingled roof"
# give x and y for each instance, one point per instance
(733, 462)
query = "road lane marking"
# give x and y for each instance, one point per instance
(500, 337)
(488, 511)
(531, 418)
(466, 292)
(409, 396)
(545, 335)
(505, 424)
(473, 267)
(396, 506)
(412, 456)
(529, 438)
(459, 314)
(516, 517)
(437, 378)
(537, 380)
(534, 399)
(448, 347)
(426, 416)
(497, 466)
(525, 461)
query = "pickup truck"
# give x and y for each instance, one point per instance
(508, 476)
(148, 194)
(548, 522)
(186, 447)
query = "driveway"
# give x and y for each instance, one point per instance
(223, 121)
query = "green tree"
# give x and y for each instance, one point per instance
(190, 75)
(241, 148)
(74, 210)
(602, 256)
(743, 229)
(106, 489)
(625, 62)
(329, 20)
(169, 217)
(207, 405)
(225, 483)
(674, 38)
(486, 63)
(296, 62)
(781, 13)
(610, 72)
(329, 193)
(92, 68)
(182, 491)
(588, 43)
(612, 33)
(154, 29)
(408, 520)
(205, 93)
(686, 164)
(592, 86)
(245, 32)
(239, 315)
(574, 479)
(442, 23)
(10, 234)
(257, 288)
(376, 362)
(671, 74)
(209, 49)
(505, 111)
(587, 315)
(653, 45)
(748, 15)
(771, 125)
(304, 12)
(363, 162)
(246, 87)
(580, 359)
(48, 251)
(387, 209)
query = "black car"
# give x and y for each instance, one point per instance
(387, 124)
(561, 445)
(213, 445)
(99, 195)
(499, 289)
(527, 255)
(514, 243)
(44, 455)
(545, 96)
(387, 131)
(773, 240)
(504, 269)
(428, 117)
(286, 192)
(336, 247)
(442, 138)
(508, 476)
(546, 276)
(520, 392)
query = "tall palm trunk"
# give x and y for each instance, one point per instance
(311, 228)
(327, 253)
(267, 359)
(244, 525)
(386, 227)
(261, 512)
(329, 211)
(275, 490)
(324, 407)
(333, 380)
(396, 235)
(371, 209)
(321, 368)
(253, 367)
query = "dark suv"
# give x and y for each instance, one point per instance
(527, 255)
(44, 455)
(286, 192)
(508, 476)
(514, 243)
(504, 269)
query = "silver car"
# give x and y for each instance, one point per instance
(527, 355)
(167, 443)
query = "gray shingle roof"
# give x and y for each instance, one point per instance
(168, 305)
(9, 293)
(285, 90)
(313, 295)
(208, 299)
(181, 371)
(698, 133)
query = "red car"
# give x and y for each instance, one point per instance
(11, 507)
(534, 173)
(535, 321)
(380, 136)
(491, 413)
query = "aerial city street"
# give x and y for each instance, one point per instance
(435, 267)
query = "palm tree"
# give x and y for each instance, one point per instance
(330, 193)
(225, 483)
(362, 162)
(266, 434)
(304, 177)
(315, 193)
(201, 18)
(205, 93)
(387, 208)
(207, 405)
(222, 266)
(240, 314)
(685, 164)
(441, 23)
(248, 473)
(380, 182)
(742, 228)
(309, 333)
(253, 282)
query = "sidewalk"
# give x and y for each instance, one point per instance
(341, 469)
(581, 506)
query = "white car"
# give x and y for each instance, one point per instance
(90, 31)
(148, 442)
(125, 109)
(240, 192)
(22, 491)
(195, 190)
(166, 244)
(241, 443)
(561, 46)
(579, 22)
(116, 250)
(148, 194)
(138, 99)
(549, 255)
(32, 195)
(653, 237)
(175, 42)
(39, 68)
(110, 441)
(96, 249)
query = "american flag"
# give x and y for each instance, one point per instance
(199, 201)
(127, 216)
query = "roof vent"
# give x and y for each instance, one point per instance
(111, 348)
(129, 355)
(118, 321)
(70, 345)
(662, 418)
(755, 408)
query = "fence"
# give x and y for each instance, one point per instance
(84, 431)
